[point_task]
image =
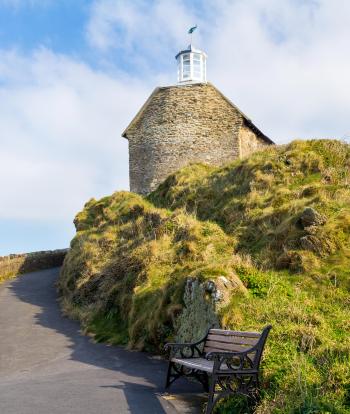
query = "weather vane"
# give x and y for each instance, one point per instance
(191, 30)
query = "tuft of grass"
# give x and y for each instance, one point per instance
(276, 225)
(128, 264)
(259, 200)
(7, 276)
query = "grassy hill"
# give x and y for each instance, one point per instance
(262, 240)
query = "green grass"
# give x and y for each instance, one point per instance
(7, 276)
(125, 275)
(131, 260)
(11, 268)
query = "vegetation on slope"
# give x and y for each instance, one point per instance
(129, 262)
(276, 225)
(259, 202)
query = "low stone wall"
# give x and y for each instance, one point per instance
(15, 264)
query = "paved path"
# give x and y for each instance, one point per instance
(48, 367)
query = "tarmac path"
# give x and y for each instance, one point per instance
(48, 367)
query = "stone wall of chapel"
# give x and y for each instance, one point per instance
(181, 125)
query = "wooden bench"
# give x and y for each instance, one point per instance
(225, 362)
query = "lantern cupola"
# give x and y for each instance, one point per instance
(191, 66)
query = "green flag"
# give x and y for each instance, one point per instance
(192, 29)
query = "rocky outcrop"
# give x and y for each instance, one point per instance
(311, 217)
(201, 303)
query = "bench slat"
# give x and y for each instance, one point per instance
(214, 347)
(195, 363)
(236, 333)
(225, 346)
(232, 339)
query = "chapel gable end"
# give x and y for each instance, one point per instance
(187, 123)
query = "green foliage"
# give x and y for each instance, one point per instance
(259, 200)
(132, 257)
(7, 276)
(129, 262)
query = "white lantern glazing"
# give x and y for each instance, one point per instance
(191, 66)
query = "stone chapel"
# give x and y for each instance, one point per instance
(187, 123)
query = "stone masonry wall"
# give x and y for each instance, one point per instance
(181, 125)
(249, 142)
(15, 264)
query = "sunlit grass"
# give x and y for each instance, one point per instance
(124, 277)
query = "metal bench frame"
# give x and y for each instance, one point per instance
(224, 362)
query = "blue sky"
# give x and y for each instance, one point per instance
(73, 73)
(57, 25)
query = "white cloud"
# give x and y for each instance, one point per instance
(287, 65)
(60, 127)
(284, 63)
(139, 27)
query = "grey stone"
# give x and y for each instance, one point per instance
(310, 217)
(185, 124)
(198, 314)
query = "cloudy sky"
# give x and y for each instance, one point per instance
(74, 72)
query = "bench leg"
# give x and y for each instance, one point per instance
(254, 395)
(211, 401)
(205, 382)
(170, 376)
(167, 382)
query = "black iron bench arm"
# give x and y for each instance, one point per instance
(193, 347)
(233, 361)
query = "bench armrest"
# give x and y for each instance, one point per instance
(176, 345)
(233, 361)
(191, 347)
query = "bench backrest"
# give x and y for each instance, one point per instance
(220, 340)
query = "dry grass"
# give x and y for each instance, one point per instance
(130, 260)
(250, 222)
